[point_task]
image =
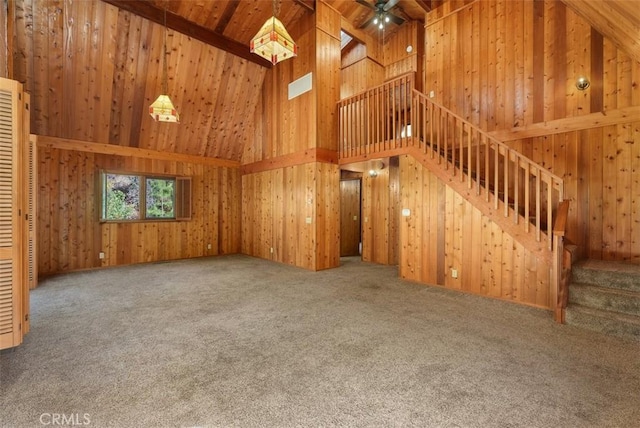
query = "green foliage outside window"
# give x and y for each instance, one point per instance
(160, 197)
(123, 194)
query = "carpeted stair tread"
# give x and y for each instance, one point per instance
(607, 274)
(608, 322)
(606, 298)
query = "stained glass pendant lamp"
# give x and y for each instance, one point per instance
(273, 42)
(162, 109)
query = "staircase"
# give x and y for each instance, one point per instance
(395, 119)
(519, 195)
(605, 296)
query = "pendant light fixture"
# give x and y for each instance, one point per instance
(273, 42)
(162, 109)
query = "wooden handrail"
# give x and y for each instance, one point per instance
(394, 118)
(561, 262)
(560, 223)
(377, 119)
(403, 77)
(525, 190)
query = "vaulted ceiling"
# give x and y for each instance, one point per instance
(104, 62)
(105, 68)
(232, 23)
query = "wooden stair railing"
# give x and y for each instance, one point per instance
(561, 262)
(526, 192)
(377, 120)
(394, 119)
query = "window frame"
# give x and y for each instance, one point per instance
(181, 197)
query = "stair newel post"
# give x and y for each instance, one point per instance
(560, 272)
(527, 195)
(469, 146)
(431, 130)
(461, 148)
(486, 167)
(549, 211)
(538, 203)
(516, 188)
(496, 174)
(507, 161)
(478, 144)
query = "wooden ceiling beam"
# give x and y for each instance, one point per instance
(307, 4)
(425, 4)
(149, 11)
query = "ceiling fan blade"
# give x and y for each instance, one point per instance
(390, 4)
(395, 18)
(367, 23)
(364, 3)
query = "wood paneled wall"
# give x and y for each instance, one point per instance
(502, 64)
(93, 70)
(70, 236)
(444, 232)
(4, 46)
(380, 215)
(600, 168)
(293, 207)
(397, 60)
(358, 71)
(519, 69)
(292, 215)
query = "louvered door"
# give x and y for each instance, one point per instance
(31, 212)
(14, 287)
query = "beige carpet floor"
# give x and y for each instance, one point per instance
(237, 341)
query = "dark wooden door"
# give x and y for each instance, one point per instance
(350, 229)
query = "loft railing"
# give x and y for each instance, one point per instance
(505, 177)
(378, 119)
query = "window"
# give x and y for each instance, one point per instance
(132, 197)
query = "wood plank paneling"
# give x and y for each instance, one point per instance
(397, 60)
(599, 167)
(530, 54)
(4, 42)
(380, 214)
(489, 261)
(71, 236)
(291, 202)
(307, 198)
(93, 70)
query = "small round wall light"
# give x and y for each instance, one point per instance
(582, 83)
(409, 49)
(373, 173)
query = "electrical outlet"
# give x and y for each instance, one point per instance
(101, 255)
(454, 273)
(208, 246)
(271, 250)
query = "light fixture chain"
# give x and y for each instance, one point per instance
(165, 81)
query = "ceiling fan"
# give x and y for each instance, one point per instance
(382, 15)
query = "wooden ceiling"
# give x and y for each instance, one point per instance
(104, 57)
(230, 24)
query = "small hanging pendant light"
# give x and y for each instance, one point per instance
(162, 109)
(273, 42)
